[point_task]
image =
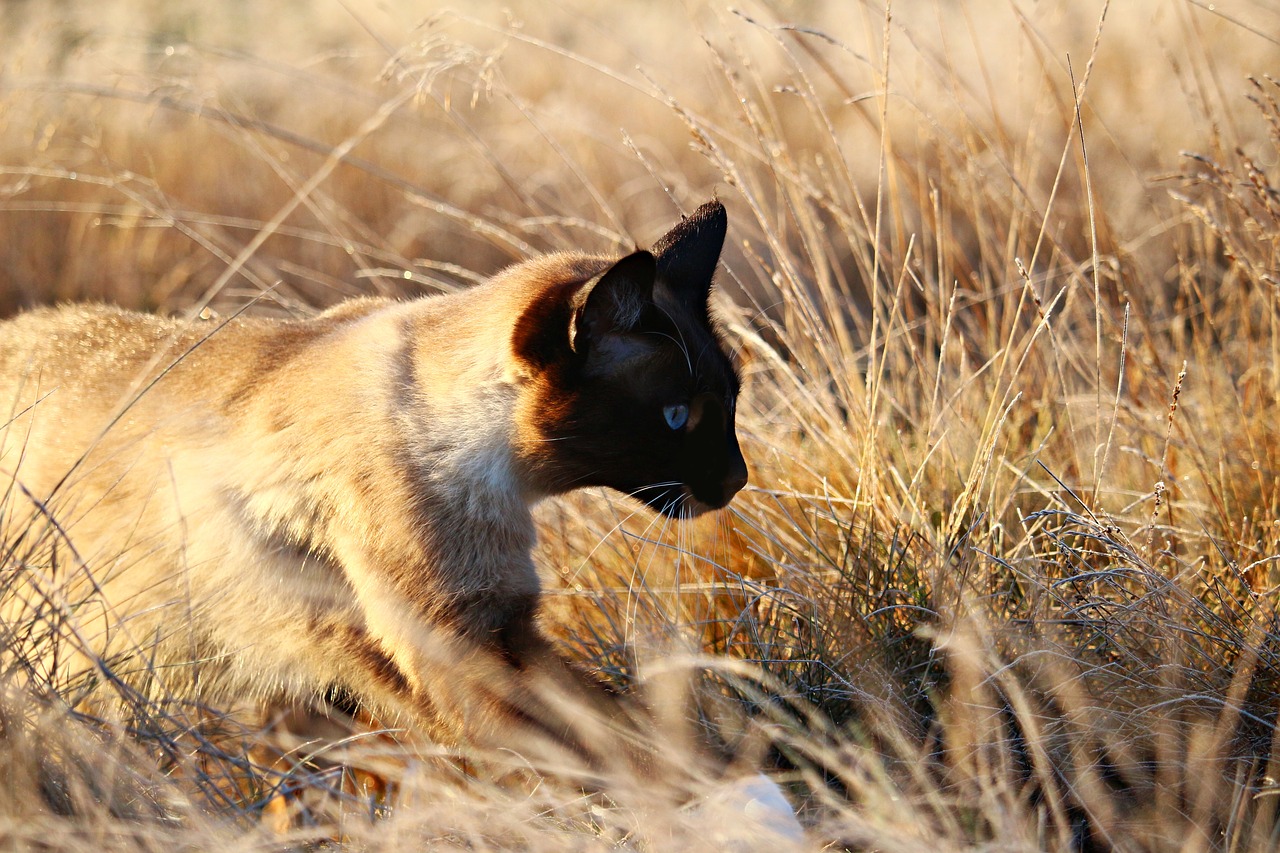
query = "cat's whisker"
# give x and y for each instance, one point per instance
(680, 344)
(663, 485)
(610, 532)
(684, 347)
(708, 348)
(633, 601)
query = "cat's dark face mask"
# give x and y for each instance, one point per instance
(641, 395)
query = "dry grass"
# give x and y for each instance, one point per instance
(1008, 565)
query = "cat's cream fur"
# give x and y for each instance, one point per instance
(279, 508)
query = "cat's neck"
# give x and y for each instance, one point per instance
(455, 428)
(420, 426)
(460, 392)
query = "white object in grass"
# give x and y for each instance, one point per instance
(751, 810)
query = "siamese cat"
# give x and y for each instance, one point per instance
(277, 508)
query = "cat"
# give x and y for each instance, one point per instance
(279, 508)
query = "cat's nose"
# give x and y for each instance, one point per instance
(733, 485)
(736, 477)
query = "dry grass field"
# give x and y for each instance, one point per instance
(1004, 275)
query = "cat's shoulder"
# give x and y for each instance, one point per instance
(354, 309)
(554, 268)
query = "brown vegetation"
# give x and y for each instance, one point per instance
(1007, 569)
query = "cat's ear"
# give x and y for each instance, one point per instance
(616, 302)
(687, 254)
(574, 321)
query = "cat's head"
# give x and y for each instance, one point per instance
(631, 385)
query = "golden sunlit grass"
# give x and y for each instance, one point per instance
(1003, 277)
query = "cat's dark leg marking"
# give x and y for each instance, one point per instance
(375, 661)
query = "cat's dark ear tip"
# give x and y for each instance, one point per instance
(700, 232)
(710, 216)
(712, 210)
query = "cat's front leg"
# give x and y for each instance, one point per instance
(658, 752)
(504, 692)
(581, 715)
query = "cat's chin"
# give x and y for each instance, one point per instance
(679, 503)
(693, 508)
(688, 508)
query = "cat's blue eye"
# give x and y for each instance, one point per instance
(677, 416)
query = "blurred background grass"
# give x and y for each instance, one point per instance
(1004, 278)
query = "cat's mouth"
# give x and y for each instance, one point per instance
(679, 501)
(692, 508)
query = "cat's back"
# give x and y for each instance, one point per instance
(97, 350)
(78, 378)
(70, 340)
(63, 368)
